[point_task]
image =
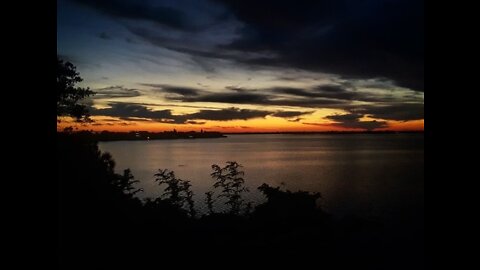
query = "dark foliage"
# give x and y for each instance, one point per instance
(69, 95)
(209, 201)
(102, 223)
(177, 191)
(232, 184)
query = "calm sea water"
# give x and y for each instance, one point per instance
(363, 174)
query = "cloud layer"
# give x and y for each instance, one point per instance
(137, 112)
(359, 39)
(245, 59)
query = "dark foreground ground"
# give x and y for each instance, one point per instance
(102, 225)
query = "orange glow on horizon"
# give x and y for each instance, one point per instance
(268, 124)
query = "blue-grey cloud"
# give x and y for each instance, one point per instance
(115, 91)
(356, 39)
(142, 10)
(398, 111)
(353, 121)
(104, 35)
(321, 96)
(180, 90)
(290, 114)
(228, 114)
(129, 110)
(136, 112)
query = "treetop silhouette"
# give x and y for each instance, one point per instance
(69, 95)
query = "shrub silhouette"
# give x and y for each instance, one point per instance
(209, 201)
(189, 198)
(177, 191)
(287, 205)
(231, 182)
(126, 182)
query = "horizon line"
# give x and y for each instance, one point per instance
(258, 132)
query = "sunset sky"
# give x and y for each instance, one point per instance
(247, 66)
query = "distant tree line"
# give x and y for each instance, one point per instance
(142, 135)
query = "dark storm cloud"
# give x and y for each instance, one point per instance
(350, 38)
(114, 124)
(115, 91)
(338, 92)
(295, 92)
(104, 35)
(353, 121)
(196, 52)
(237, 89)
(135, 119)
(228, 114)
(320, 92)
(238, 98)
(356, 39)
(130, 112)
(399, 112)
(322, 96)
(236, 95)
(345, 117)
(180, 90)
(140, 10)
(396, 111)
(289, 114)
(382, 106)
(193, 122)
(342, 93)
(257, 98)
(295, 119)
(330, 88)
(309, 103)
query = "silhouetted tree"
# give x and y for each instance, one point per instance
(304, 198)
(173, 189)
(125, 183)
(68, 95)
(230, 180)
(178, 191)
(108, 161)
(189, 197)
(281, 205)
(209, 201)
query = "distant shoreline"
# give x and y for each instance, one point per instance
(326, 132)
(158, 139)
(106, 136)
